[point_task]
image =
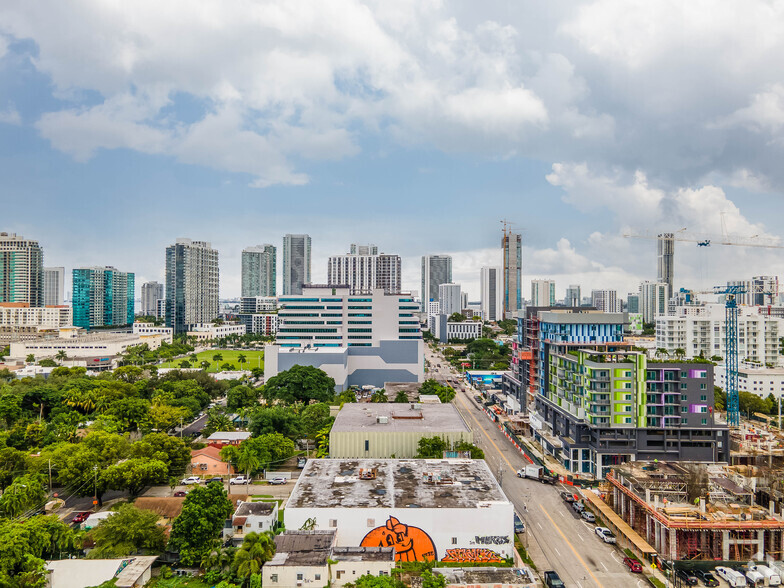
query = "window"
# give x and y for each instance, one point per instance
(454, 540)
(703, 397)
(300, 577)
(317, 577)
(371, 523)
(367, 444)
(704, 421)
(684, 374)
(333, 523)
(684, 385)
(261, 525)
(273, 577)
(684, 397)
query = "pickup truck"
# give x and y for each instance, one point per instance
(241, 479)
(534, 472)
(553, 580)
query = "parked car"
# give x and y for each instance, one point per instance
(277, 481)
(216, 479)
(553, 580)
(706, 578)
(80, 517)
(301, 462)
(633, 565)
(588, 516)
(519, 526)
(578, 506)
(687, 576)
(191, 480)
(567, 497)
(605, 534)
(180, 493)
(241, 479)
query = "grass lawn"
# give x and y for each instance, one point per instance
(255, 358)
(183, 582)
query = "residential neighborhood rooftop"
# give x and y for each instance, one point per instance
(254, 508)
(395, 483)
(229, 436)
(398, 417)
(311, 548)
(364, 553)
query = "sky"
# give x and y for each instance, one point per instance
(414, 125)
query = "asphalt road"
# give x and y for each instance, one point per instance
(556, 537)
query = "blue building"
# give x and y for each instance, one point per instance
(102, 297)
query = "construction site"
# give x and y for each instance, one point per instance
(698, 511)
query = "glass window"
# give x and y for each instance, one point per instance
(273, 577)
(300, 577)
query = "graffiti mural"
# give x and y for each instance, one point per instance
(410, 543)
(491, 540)
(471, 555)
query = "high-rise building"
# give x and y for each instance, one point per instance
(54, 286)
(21, 270)
(760, 290)
(665, 249)
(365, 272)
(102, 297)
(368, 249)
(436, 270)
(192, 284)
(542, 293)
(491, 284)
(605, 300)
(573, 295)
(259, 272)
(152, 292)
(296, 263)
(652, 300)
(512, 245)
(449, 299)
(632, 303)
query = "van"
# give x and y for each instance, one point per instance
(755, 578)
(733, 578)
(772, 577)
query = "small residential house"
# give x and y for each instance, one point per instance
(167, 508)
(207, 462)
(256, 517)
(303, 558)
(222, 438)
(95, 519)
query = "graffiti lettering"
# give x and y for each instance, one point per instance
(410, 543)
(491, 540)
(478, 555)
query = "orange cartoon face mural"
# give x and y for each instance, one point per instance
(410, 543)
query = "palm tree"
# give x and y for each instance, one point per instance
(241, 359)
(30, 358)
(256, 550)
(679, 353)
(248, 460)
(205, 364)
(217, 358)
(61, 356)
(662, 352)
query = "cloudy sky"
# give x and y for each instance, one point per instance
(416, 125)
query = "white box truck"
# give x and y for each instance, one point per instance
(733, 578)
(535, 472)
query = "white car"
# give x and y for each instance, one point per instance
(605, 534)
(241, 479)
(276, 481)
(191, 480)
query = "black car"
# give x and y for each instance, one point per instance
(706, 577)
(687, 576)
(218, 480)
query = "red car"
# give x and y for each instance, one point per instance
(180, 493)
(80, 517)
(633, 565)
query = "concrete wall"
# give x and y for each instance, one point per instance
(287, 576)
(349, 571)
(384, 444)
(474, 533)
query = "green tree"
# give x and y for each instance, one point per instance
(379, 396)
(241, 359)
(61, 356)
(256, 550)
(456, 317)
(135, 475)
(347, 396)
(301, 383)
(314, 418)
(195, 531)
(30, 358)
(172, 451)
(749, 402)
(217, 420)
(217, 358)
(370, 581)
(24, 494)
(12, 462)
(431, 580)
(476, 452)
(128, 531)
(277, 419)
(322, 442)
(131, 413)
(401, 396)
(719, 398)
(128, 373)
(242, 397)
(431, 448)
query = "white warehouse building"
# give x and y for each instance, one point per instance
(701, 329)
(430, 510)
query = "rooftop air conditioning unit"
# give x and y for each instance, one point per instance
(382, 420)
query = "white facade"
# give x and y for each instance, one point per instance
(760, 381)
(261, 324)
(147, 329)
(652, 300)
(192, 284)
(422, 517)
(21, 318)
(432, 308)
(54, 286)
(365, 273)
(542, 292)
(253, 517)
(105, 345)
(701, 329)
(211, 331)
(152, 292)
(254, 304)
(606, 300)
(760, 290)
(449, 299)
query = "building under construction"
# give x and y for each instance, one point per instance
(691, 511)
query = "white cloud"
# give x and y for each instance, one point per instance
(765, 113)
(10, 116)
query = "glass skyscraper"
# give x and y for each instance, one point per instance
(102, 297)
(21, 270)
(296, 263)
(192, 284)
(259, 271)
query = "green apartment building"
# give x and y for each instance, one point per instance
(102, 297)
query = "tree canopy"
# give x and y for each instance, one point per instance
(301, 383)
(195, 532)
(128, 531)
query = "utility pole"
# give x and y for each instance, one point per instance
(50, 475)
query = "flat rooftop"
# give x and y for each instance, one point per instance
(506, 576)
(304, 548)
(395, 483)
(364, 554)
(400, 418)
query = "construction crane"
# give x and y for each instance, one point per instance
(708, 240)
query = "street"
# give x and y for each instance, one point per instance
(556, 537)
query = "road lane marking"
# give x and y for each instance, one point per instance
(486, 435)
(540, 526)
(576, 554)
(581, 537)
(560, 512)
(604, 566)
(556, 550)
